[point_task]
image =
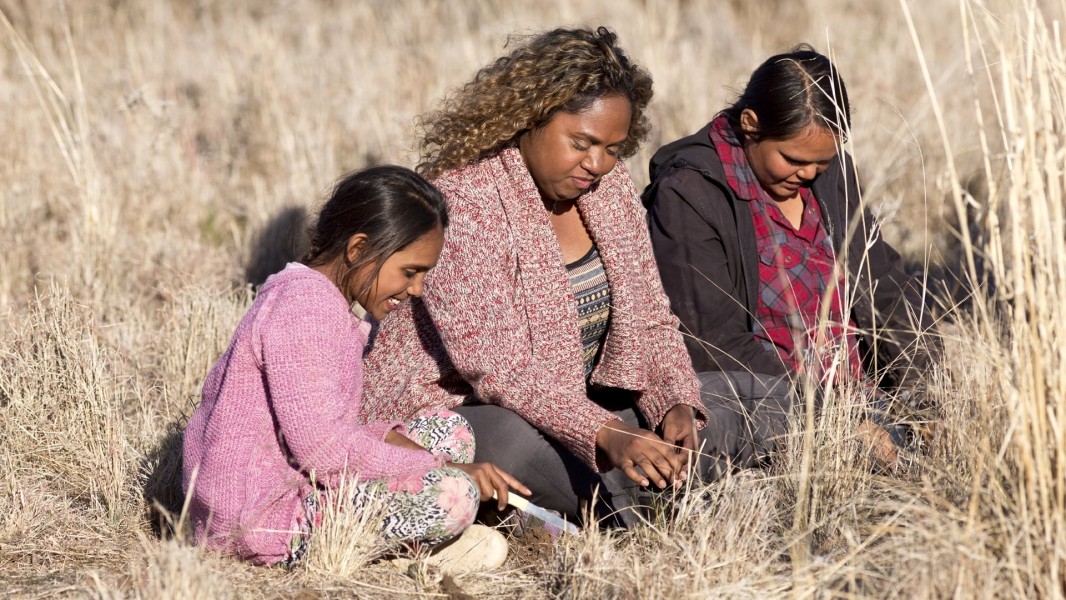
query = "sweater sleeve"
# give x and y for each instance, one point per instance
(704, 284)
(311, 356)
(672, 380)
(470, 296)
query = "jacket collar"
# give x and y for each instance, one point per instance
(696, 152)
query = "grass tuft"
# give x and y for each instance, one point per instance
(159, 160)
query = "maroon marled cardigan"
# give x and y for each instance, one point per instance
(500, 302)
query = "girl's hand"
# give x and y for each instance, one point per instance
(490, 480)
(679, 429)
(630, 447)
(401, 440)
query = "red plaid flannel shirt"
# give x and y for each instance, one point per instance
(795, 270)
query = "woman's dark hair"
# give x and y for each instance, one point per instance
(393, 206)
(791, 91)
(563, 70)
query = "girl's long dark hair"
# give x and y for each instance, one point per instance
(393, 206)
(790, 92)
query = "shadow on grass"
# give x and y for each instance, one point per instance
(162, 488)
(952, 288)
(283, 240)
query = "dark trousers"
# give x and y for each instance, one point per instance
(747, 417)
(746, 414)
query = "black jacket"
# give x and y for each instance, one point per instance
(704, 242)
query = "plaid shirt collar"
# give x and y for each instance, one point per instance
(738, 173)
(790, 291)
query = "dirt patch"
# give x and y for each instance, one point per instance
(531, 543)
(533, 549)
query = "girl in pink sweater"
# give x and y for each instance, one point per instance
(280, 422)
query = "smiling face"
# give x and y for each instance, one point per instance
(401, 275)
(572, 151)
(783, 166)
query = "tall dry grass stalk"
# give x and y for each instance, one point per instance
(1025, 251)
(59, 379)
(173, 569)
(153, 154)
(348, 539)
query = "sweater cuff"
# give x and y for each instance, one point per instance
(378, 430)
(579, 435)
(591, 453)
(655, 406)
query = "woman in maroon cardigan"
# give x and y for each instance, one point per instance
(545, 317)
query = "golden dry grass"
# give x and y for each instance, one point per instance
(155, 155)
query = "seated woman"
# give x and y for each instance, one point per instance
(769, 259)
(545, 318)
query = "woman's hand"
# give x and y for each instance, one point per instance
(679, 429)
(878, 443)
(630, 448)
(490, 480)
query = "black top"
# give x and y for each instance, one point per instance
(704, 242)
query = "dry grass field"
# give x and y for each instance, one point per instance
(155, 157)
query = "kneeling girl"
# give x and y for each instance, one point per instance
(280, 422)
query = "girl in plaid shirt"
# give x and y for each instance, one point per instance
(769, 259)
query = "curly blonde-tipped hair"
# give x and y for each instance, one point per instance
(561, 70)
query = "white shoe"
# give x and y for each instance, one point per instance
(479, 548)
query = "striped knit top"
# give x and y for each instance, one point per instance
(592, 292)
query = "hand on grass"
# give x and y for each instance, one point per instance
(643, 456)
(679, 429)
(878, 443)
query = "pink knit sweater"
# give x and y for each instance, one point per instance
(283, 402)
(498, 322)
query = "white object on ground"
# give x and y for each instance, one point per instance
(543, 514)
(478, 548)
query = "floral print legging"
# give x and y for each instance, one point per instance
(427, 506)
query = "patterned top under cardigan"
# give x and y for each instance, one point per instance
(500, 302)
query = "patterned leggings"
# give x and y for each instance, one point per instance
(428, 506)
